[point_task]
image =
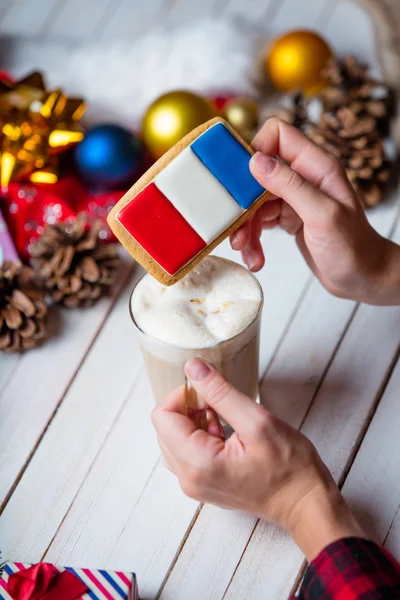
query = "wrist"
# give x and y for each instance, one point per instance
(391, 274)
(322, 518)
(386, 278)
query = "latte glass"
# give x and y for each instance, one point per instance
(236, 358)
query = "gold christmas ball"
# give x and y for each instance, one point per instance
(243, 115)
(172, 116)
(296, 59)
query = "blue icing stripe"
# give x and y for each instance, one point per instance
(228, 161)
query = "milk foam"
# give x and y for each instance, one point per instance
(214, 302)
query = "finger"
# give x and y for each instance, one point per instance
(174, 402)
(312, 205)
(253, 254)
(269, 211)
(313, 163)
(214, 426)
(271, 224)
(170, 420)
(179, 436)
(241, 237)
(236, 408)
(181, 440)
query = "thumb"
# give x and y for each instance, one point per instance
(236, 408)
(278, 178)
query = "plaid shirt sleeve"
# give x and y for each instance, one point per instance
(352, 569)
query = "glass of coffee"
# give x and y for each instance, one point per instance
(213, 313)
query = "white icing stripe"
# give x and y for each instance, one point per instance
(200, 198)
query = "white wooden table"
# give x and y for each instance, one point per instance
(81, 480)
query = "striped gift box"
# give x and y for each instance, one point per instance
(102, 585)
(192, 200)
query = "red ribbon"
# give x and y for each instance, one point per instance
(45, 582)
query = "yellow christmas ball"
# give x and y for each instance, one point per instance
(171, 117)
(243, 115)
(296, 60)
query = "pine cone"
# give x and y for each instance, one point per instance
(349, 84)
(354, 121)
(22, 309)
(72, 265)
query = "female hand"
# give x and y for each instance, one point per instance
(266, 467)
(313, 200)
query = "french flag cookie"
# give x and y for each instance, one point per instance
(188, 202)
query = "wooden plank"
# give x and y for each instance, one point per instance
(209, 556)
(296, 15)
(24, 19)
(38, 384)
(79, 20)
(372, 486)
(341, 408)
(392, 542)
(268, 547)
(8, 364)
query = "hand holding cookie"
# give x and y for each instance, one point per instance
(315, 201)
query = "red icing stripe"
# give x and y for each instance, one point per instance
(155, 223)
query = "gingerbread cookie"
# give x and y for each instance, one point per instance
(190, 200)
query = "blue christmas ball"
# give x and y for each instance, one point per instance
(109, 156)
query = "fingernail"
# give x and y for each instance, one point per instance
(263, 163)
(249, 258)
(234, 240)
(196, 369)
